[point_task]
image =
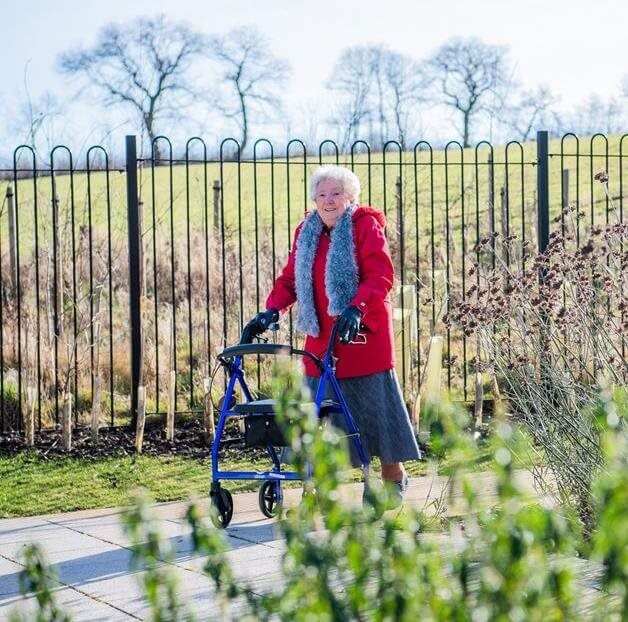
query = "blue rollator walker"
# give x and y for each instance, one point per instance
(260, 427)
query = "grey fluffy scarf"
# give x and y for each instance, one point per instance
(341, 270)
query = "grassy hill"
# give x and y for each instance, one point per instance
(264, 186)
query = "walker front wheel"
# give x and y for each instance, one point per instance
(270, 497)
(222, 506)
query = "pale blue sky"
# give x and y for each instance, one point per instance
(575, 47)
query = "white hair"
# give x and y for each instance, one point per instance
(346, 178)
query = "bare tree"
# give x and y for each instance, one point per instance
(31, 120)
(466, 73)
(143, 66)
(351, 79)
(406, 89)
(379, 89)
(253, 78)
(305, 121)
(529, 110)
(35, 121)
(596, 115)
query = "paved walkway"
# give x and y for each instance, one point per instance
(92, 556)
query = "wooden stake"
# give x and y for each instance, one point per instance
(565, 189)
(172, 383)
(399, 224)
(497, 396)
(95, 419)
(404, 325)
(172, 386)
(503, 221)
(479, 399)
(141, 419)
(432, 384)
(143, 256)
(208, 413)
(479, 386)
(95, 422)
(415, 416)
(29, 424)
(59, 263)
(216, 189)
(66, 421)
(431, 390)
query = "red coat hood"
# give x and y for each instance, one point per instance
(366, 210)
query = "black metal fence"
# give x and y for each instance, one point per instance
(115, 278)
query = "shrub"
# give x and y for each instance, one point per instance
(552, 329)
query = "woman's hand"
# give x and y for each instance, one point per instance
(262, 321)
(349, 324)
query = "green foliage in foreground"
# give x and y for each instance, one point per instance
(512, 562)
(39, 578)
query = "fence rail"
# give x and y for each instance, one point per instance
(111, 278)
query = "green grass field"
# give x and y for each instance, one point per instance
(32, 484)
(265, 186)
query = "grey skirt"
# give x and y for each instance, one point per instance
(376, 404)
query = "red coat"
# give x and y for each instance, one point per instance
(376, 274)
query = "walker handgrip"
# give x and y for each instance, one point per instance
(256, 348)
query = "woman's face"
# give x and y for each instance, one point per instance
(331, 201)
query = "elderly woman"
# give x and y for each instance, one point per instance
(340, 269)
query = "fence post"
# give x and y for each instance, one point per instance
(542, 189)
(133, 218)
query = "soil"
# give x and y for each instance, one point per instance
(119, 441)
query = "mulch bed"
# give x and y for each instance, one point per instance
(120, 441)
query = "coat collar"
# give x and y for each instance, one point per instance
(341, 269)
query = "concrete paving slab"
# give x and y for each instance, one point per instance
(32, 531)
(109, 528)
(9, 572)
(82, 608)
(80, 604)
(58, 541)
(248, 563)
(124, 592)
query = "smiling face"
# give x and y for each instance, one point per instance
(331, 201)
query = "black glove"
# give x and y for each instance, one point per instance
(262, 321)
(349, 324)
